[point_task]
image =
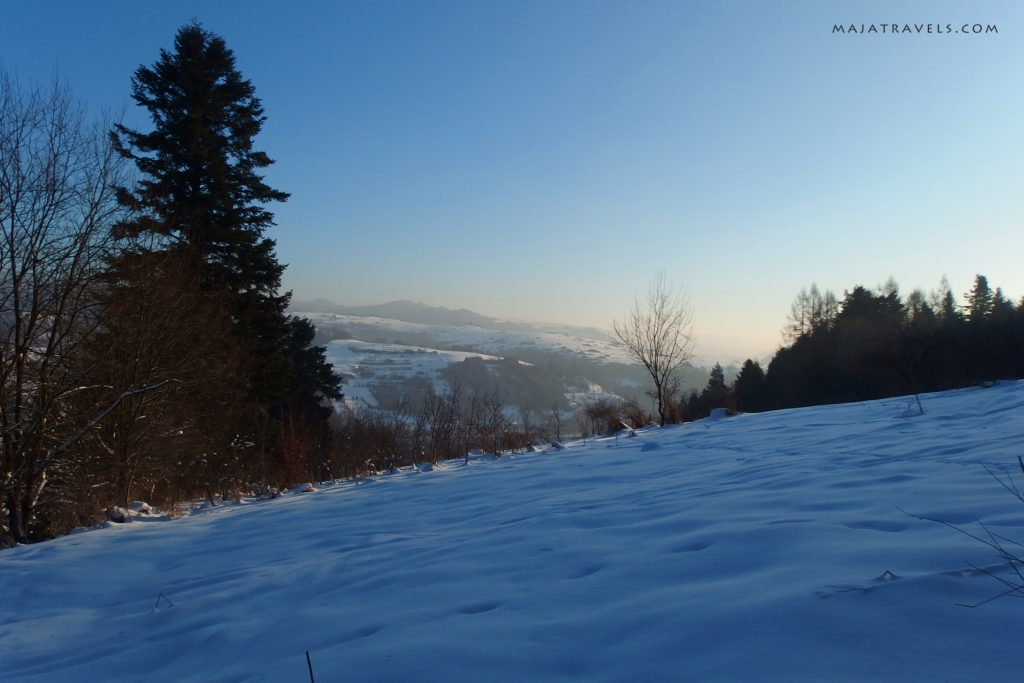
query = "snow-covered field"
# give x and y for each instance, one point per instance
(364, 364)
(756, 547)
(484, 340)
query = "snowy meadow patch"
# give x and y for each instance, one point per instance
(772, 546)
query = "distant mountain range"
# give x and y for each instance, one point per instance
(404, 310)
(413, 312)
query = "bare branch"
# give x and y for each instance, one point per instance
(102, 414)
(658, 334)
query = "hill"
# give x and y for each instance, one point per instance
(769, 547)
(399, 349)
(403, 310)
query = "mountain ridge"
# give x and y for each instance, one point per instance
(405, 310)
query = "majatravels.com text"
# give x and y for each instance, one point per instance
(902, 29)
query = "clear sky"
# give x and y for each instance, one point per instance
(543, 159)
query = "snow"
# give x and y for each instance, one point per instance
(366, 364)
(778, 546)
(494, 341)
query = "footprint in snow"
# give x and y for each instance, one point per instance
(585, 571)
(358, 633)
(481, 607)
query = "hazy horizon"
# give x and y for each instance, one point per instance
(543, 161)
(708, 351)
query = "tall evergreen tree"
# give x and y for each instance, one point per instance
(979, 300)
(947, 308)
(200, 192)
(716, 380)
(716, 393)
(201, 195)
(1002, 308)
(749, 387)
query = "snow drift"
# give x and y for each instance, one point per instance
(775, 546)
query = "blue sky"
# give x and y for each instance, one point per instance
(543, 160)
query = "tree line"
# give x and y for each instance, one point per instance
(876, 343)
(869, 344)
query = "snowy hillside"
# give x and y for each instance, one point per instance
(775, 546)
(365, 365)
(481, 339)
(383, 360)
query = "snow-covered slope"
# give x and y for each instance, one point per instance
(480, 339)
(757, 547)
(384, 360)
(363, 365)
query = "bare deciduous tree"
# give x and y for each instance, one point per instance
(810, 312)
(658, 334)
(443, 423)
(56, 203)
(556, 420)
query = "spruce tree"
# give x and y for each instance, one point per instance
(201, 195)
(716, 393)
(946, 308)
(979, 300)
(199, 191)
(749, 387)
